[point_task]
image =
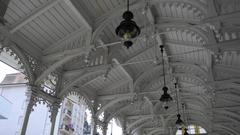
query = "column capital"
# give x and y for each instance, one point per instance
(104, 127)
(54, 109)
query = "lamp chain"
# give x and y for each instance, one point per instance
(127, 5)
(164, 80)
(177, 98)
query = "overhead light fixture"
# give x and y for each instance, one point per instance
(185, 131)
(184, 114)
(128, 28)
(179, 122)
(165, 97)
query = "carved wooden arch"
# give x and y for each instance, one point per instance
(219, 127)
(81, 94)
(224, 113)
(154, 131)
(193, 109)
(196, 4)
(233, 97)
(118, 111)
(124, 107)
(139, 127)
(197, 80)
(154, 69)
(108, 17)
(76, 80)
(25, 62)
(203, 103)
(196, 122)
(183, 27)
(61, 62)
(224, 117)
(141, 120)
(197, 119)
(112, 102)
(200, 99)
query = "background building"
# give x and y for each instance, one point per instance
(87, 126)
(72, 116)
(70, 120)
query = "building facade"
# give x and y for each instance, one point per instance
(70, 119)
(72, 116)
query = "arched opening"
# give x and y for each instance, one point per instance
(114, 127)
(74, 116)
(193, 130)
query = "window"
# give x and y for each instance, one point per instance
(193, 130)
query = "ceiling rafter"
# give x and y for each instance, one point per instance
(74, 81)
(61, 62)
(72, 36)
(70, 73)
(229, 68)
(113, 96)
(190, 24)
(229, 129)
(147, 72)
(222, 18)
(37, 12)
(103, 20)
(126, 73)
(79, 15)
(112, 102)
(141, 120)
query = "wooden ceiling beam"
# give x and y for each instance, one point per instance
(37, 12)
(223, 18)
(79, 14)
(229, 68)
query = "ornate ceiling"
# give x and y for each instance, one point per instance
(71, 46)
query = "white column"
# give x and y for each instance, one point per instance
(94, 118)
(31, 95)
(94, 125)
(104, 128)
(54, 112)
(124, 128)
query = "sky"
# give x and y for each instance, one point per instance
(5, 69)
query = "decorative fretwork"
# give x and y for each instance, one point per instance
(85, 98)
(50, 83)
(227, 6)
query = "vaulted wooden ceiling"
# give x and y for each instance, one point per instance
(75, 40)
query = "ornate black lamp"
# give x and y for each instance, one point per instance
(128, 28)
(185, 131)
(179, 122)
(165, 97)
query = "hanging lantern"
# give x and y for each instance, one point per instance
(128, 28)
(179, 122)
(185, 131)
(165, 97)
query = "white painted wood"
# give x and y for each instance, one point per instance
(201, 52)
(78, 14)
(33, 15)
(60, 63)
